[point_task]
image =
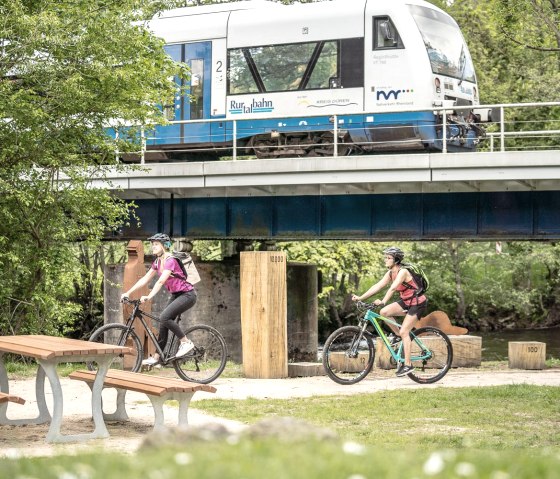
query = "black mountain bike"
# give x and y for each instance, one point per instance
(203, 364)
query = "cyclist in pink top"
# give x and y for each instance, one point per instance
(183, 294)
(410, 305)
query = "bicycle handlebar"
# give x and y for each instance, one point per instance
(363, 306)
(127, 300)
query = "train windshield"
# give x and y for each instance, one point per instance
(444, 43)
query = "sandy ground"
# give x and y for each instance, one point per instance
(126, 437)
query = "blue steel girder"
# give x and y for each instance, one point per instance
(397, 216)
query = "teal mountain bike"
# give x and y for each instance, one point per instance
(349, 352)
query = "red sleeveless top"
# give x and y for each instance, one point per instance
(408, 294)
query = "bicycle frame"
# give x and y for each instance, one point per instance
(138, 313)
(371, 317)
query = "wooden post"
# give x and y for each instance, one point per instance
(264, 314)
(133, 271)
(526, 354)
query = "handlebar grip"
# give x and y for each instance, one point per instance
(126, 299)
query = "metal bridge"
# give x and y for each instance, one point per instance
(510, 191)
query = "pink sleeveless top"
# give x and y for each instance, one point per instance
(176, 283)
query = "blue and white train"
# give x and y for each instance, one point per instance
(284, 72)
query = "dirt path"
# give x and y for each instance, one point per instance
(126, 437)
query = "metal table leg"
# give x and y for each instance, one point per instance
(100, 430)
(44, 414)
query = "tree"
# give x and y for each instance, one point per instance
(68, 69)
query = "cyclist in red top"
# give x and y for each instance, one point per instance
(410, 305)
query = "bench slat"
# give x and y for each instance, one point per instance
(161, 381)
(138, 382)
(89, 377)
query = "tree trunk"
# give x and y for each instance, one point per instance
(461, 305)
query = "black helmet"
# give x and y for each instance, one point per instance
(162, 238)
(395, 252)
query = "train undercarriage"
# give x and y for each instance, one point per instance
(463, 134)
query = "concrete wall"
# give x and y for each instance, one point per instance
(218, 304)
(302, 312)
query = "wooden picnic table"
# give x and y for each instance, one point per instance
(49, 351)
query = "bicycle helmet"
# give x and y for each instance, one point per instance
(164, 239)
(396, 253)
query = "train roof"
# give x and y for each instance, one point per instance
(217, 8)
(245, 23)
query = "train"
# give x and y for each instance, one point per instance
(336, 77)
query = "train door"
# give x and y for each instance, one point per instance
(195, 103)
(199, 58)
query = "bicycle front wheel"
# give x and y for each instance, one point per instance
(432, 355)
(120, 335)
(208, 358)
(348, 355)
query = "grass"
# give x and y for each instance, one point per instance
(275, 460)
(501, 432)
(490, 418)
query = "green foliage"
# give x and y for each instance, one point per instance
(476, 286)
(342, 264)
(68, 69)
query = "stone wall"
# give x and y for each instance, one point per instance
(218, 304)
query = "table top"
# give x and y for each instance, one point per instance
(48, 347)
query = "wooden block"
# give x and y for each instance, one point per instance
(467, 352)
(305, 369)
(526, 354)
(264, 321)
(343, 363)
(383, 358)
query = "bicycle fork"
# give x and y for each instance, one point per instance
(353, 351)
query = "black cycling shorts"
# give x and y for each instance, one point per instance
(414, 309)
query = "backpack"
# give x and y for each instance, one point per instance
(186, 263)
(419, 277)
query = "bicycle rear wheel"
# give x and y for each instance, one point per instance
(432, 355)
(208, 358)
(348, 359)
(119, 335)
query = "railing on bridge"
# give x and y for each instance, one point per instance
(521, 126)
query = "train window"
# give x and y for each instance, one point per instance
(282, 67)
(197, 89)
(299, 66)
(241, 78)
(444, 43)
(325, 68)
(385, 35)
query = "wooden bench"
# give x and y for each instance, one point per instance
(158, 389)
(4, 397)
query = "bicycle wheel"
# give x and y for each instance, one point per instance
(208, 358)
(346, 358)
(119, 335)
(432, 354)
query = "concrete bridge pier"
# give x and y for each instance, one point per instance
(218, 304)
